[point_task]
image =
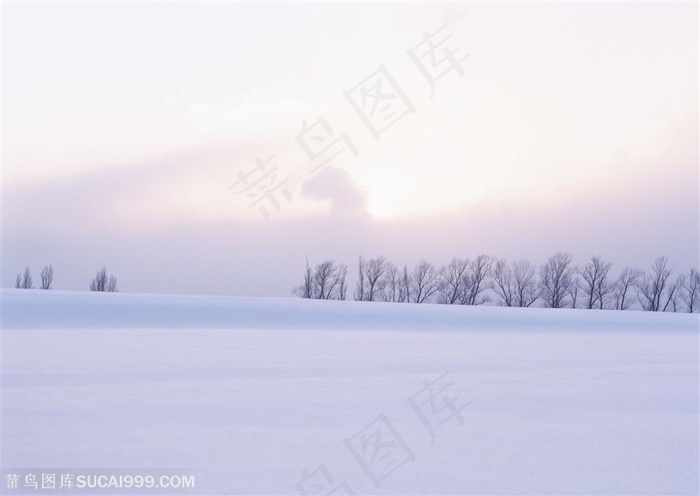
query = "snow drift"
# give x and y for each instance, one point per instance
(277, 396)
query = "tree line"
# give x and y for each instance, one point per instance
(557, 283)
(101, 281)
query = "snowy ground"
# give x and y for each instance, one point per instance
(249, 393)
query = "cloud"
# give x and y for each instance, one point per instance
(337, 186)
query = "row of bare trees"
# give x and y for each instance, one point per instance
(101, 282)
(25, 281)
(325, 282)
(557, 283)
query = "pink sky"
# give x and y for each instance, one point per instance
(573, 127)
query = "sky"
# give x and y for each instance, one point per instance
(214, 148)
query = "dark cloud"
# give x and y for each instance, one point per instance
(70, 222)
(337, 186)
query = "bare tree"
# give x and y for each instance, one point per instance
(336, 274)
(18, 282)
(102, 282)
(325, 282)
(405, 286)
(515, 284)
(27, 282)
(330, 280)
(393, 282)
(673, 294)
(360, 286)
(99, 283)
(575, 287)
(503, 283)
(556, 279)
(691, 291)
(651, 287)
(341, 275)
(46, 277)
(426, 281)
(604, 293)
(306, 289)
(371, 279)
(627, 280)
(453, 278)
(527, 290)
(476, 281)
(375, 270)
(594, 282)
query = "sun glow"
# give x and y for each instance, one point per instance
(378, 210)
(384, 200)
